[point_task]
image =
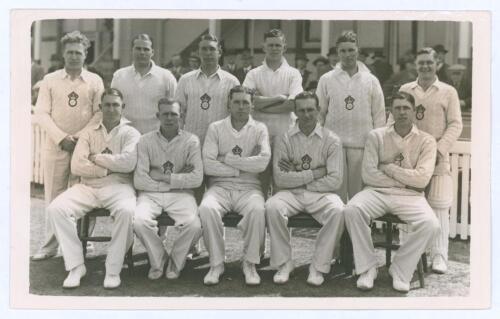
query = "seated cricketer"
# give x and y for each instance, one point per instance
(235, 151)
(307, 166)
(397, 165)
(169, 167)
(104, 158)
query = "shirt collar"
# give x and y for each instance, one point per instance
(218, 73)
(361, 67)
(84, 75)
(123, 121)
(414, 130)
(158, 133)
(153, 70)
(284, 64)
(318, 130)
(437, 84)
(249, 123)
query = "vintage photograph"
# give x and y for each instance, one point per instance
(251, 157)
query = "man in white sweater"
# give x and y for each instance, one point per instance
(104, 158)
(437, 113)
(397, 165)
(352, 104)
(307, 167)
(235, 151)
(169, 167)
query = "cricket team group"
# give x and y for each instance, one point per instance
(208, 145)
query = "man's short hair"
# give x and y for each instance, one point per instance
(75, 37)
(427, 50)
(143, 37)
(210, 37)
(241, 89)
(113, 92)
(347, 36)
(275, 33)
(168, 101)
(306, 95)
(403, 96)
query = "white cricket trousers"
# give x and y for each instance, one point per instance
(352, 182)
(57, 177)
(326, 208)
(248, 203)
(181, 207)
(440, 197)
(80, 199)
(370, 204)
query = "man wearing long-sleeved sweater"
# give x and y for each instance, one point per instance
(352, 104)
(438, 113)
(397, 165)
(307, 167)
(169, 167)
(235, 151)
(104, 158)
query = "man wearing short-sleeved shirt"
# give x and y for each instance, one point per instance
(437, 113)
(143, 83)
(67, 103)
(203, 92)
(276, 84)
(352, 104)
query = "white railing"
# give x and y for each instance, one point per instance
(460, 171)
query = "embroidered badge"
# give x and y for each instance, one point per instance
(237, 150)
(73, 99)
(399, 159)
(306, 162)
(168, 167)
(205, 101)
(349, 102)
(106, 151)
(420, 112)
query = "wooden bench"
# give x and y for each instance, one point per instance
(388, 245)
(231, 219)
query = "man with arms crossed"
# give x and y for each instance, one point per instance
(276, 84)
(169, 167)
(104, 158)
(67, 103)
(397, 165)
(143, 83)
(352, 104)
(236, 149)
(437, 113)
(307, 167)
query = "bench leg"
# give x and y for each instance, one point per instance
(424, 261)
(84, 234)
(420, 271)
(346, 253)
(130, 260)
(388, 242)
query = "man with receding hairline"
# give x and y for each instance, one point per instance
(104, 158)
(169, 167)
(143, 83)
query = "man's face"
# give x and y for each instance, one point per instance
(306, 111)
(321, 67)
(176, 60)
(74, 56)
(440, 57)
(426, 65)
(402, 111)
(240, 106)
(142, 51)
(112, 108)
(300, 64)
(193, 63)
(333, 58)
(169, 116)
(274, 48)
(348, 54)
(230, 59)
(209, 52)
(456, 76)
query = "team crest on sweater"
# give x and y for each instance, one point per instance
(399, 159)
(420, 112)
(168, 167)
(73, 99)
(237, 150)
(205, 101)
(306, 162)
(349, 102)
(106, 151)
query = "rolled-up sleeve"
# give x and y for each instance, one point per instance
(125, 161)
